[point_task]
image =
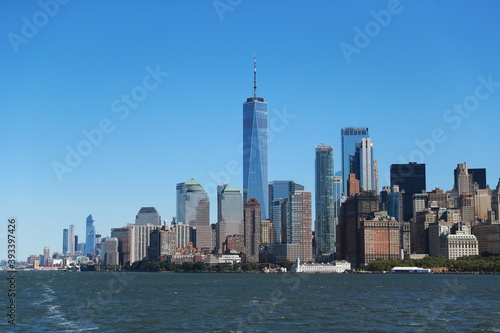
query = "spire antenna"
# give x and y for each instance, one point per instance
(254, 77)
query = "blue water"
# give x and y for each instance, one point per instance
(230, 302)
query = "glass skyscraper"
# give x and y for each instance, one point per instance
(350, 136)
(255, 154)
(148, 215)
(65, 242)
(280, 194)
(193, 208)
(325, 201)
(90, 236)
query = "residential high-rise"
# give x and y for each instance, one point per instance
(301, 222)
(280, 194)
(350, 136)
(90, 237)
(229, 214)
(255, 145)
(325, 200)
(71, 240)
(411, 180)
(65, 242)
(353, 186)
(148, 215)
(194, 210)
(253, 220)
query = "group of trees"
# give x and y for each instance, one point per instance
(474, 264)
(200, 266)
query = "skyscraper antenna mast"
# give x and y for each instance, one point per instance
(254, 76)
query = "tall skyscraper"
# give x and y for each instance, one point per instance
(229, 214)
(350, 136)
(253, 220)
(65, 242)
(255, 155)
(300, 227)
(479, 177)
(148, 215)
(411, 180)
(362, 164)
(46, 255)
(325, 200)
(193, 207)
(71, 240)
(356, 208)
(463, 180)
(280, 195)
(90, 237)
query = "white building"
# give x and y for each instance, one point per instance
(338, 266)
(461, 245)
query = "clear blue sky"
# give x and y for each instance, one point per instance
(63, 76)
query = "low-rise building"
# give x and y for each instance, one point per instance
(338, 266)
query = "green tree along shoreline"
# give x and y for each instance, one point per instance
(186, 267)
(471, 264)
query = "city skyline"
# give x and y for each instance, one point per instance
(67, 81)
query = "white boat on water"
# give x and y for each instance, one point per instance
(410, 270)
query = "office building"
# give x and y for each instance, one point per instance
(280, 194)
(46, 255)
(350, 137)
(65, 241)
(125, 237)
(411, 180)
(229, 214)
(463, 181)
(362, 165)
(194, 210)
(255, 150)
(71, 240)
(325, 200)
(482, 203)
(253, 218)
(478, 176)
(148, 215)
(89, 237)
(356, 208)
(110, 251)
(379, 238)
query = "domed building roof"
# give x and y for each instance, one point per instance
(191, 182)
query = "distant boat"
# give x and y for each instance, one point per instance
(410, 270)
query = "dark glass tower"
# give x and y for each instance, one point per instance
(350, 137)
(255, 154)
(411, 179)
(325, 201)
